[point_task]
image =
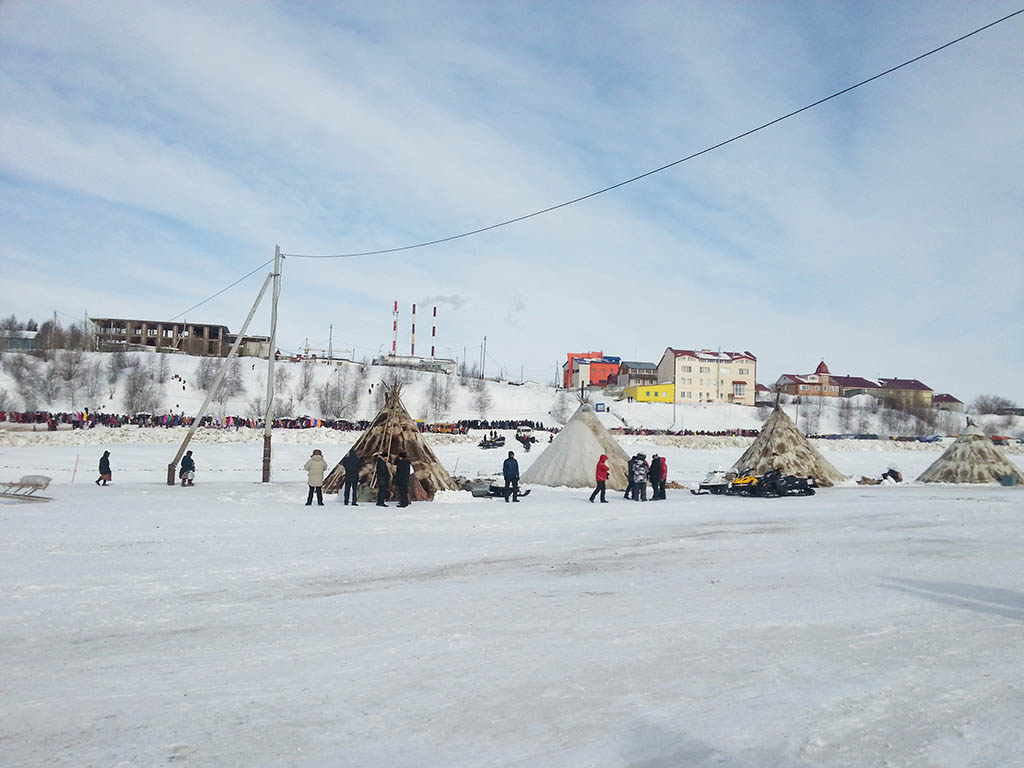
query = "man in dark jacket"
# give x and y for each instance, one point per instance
(655, 475)
(383, 481)
(351, 464)
(629, 477)
(104, 468)
(403, 471)
(510, 471)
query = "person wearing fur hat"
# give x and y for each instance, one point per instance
(315, 468)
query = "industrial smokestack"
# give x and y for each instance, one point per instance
(394, 339)
(412, 348)
(433, 334)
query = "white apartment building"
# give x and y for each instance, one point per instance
(706, 376)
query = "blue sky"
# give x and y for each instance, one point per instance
(152, 153)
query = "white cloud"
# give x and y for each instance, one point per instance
(869, 231)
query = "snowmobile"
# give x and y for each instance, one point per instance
(716, 482)
(487, 442)
(772, 483)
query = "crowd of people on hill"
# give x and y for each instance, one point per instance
(86, 419)
(683, 432)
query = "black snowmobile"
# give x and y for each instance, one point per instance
(771, 484)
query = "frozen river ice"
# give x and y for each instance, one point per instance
(229, 625)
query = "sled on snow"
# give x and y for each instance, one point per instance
(26, 489)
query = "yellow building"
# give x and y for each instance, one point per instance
(651, 393)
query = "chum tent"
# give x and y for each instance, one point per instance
(780, 445)
(972, 458)
(391, 433)
(571, 458)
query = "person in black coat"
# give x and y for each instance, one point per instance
(352, 464)
(383, 481)
(510, 471)
(403, 471)
(655, 476)
(188, 468)
(629, 478)
(104, 468)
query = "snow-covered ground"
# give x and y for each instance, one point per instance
(229, 625)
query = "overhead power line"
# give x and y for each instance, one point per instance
(665, 167)
(222, 290)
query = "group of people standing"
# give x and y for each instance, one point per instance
(638, 474)
(316, 469)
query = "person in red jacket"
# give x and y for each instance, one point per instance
(601, 476)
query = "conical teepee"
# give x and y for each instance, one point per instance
(571, 458)
(971, 459)
(391, 433)
(782, 446)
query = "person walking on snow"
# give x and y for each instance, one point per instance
(664, 478)
(104, 468)
(403, 471)
(657, 465)
(383, 480)
(510, 471)
(315, 467)
(602, 477)
(188, 470)
(352, 465)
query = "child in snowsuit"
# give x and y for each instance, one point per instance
(640, 472)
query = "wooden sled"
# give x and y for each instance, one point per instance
(26, 488)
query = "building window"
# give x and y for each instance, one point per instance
(803, 387)
(739, 390)
(705, 369)
(687, 368)
(724, 371)
(743, 371)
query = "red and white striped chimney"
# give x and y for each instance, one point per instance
(433, 334)
(394, 339)
(412, 350)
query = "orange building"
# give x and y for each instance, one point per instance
(589, 369)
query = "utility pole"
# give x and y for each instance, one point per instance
(271, 354)
(216, 382)
(483, 358)
(330, 344)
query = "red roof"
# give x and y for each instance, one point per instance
(822, 368)
(944, 398)
(905, 384)
(855, 382)
(707, 353)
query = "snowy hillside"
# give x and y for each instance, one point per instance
(174, 384)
